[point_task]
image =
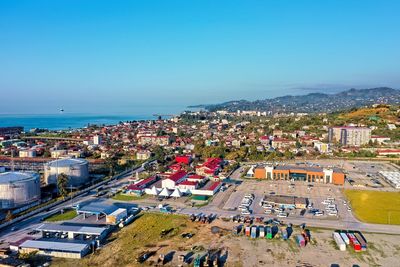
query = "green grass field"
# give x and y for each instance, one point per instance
(67, 215)
(375, 206)
(123, 197)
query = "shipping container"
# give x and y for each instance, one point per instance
(354, 242)
(301, 242)
(247, 231)
(254, 232)
(345, 238)
(261, 231)
(361, 240)
(269, 232)
(339, 241)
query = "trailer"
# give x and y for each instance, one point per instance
(261, 231)
(301, 242)
(284, 234)
(254, 231)
(269, 232)
(339, 241)
(361, 240)
(247, 231)
(354, 242)
(345, 238)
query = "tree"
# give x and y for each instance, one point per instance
(9, 216)
(62, 184)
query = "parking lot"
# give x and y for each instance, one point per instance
(366, 175)
(315, 194)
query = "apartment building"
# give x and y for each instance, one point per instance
(349, 135)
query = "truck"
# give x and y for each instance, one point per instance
(261, 231)
(361, 240)
(254, 231)
(247, 231)
(354, 242)
(301, 242)
(339, 241)
(345, 238)
(284, 234)
(269, 232)
(165, 209)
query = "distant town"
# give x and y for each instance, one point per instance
(313, 181)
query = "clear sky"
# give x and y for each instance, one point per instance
(124, 56)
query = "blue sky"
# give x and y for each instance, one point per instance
(124, 56)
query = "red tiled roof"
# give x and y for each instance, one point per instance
(177, 176)
(195, 176)
(213, 186)
(188, 183)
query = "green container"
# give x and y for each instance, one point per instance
(199, 197)
(269, 233)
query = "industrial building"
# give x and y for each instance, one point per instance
(112, 213)
(300, 173)
(349, 135)
(73, 232)
(71, 250)
(76, 169)
(285, 201)
(18, 189)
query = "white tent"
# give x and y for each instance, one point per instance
(176, 193)
(164, 192)
(154, 191)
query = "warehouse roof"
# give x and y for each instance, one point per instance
(97, 208)
(77, 229)
(55, 246)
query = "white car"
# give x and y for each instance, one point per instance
(332, 213)
(268, 211)
(319, 213)
(246, 212)
(282, 215)
(348, 208)
(268, 206)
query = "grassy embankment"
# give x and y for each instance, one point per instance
(375, 206)
(67, 215)
(123, 197)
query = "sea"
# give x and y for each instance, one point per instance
(65, 121)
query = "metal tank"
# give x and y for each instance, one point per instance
(18, 189)
(76, 169)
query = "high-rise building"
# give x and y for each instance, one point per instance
(349, 135)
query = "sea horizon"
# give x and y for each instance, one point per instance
(66, 121)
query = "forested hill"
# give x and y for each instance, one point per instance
(314, 102)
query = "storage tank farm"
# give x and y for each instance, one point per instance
(18, 189)
(76, 169)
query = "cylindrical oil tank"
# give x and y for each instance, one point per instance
(18, 189)
(76, 169)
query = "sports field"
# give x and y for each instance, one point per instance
(375, 206)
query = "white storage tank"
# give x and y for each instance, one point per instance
(76, 169)
(18, 189)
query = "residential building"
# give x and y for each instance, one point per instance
(349, 135)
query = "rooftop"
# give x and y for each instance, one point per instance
(8, 177)
(55, 246)
(77, 229)
(66, 162)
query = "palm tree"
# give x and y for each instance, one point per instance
(62, 184)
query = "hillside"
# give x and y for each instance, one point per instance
(314, 102)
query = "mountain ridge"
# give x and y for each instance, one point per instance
(313, 102)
